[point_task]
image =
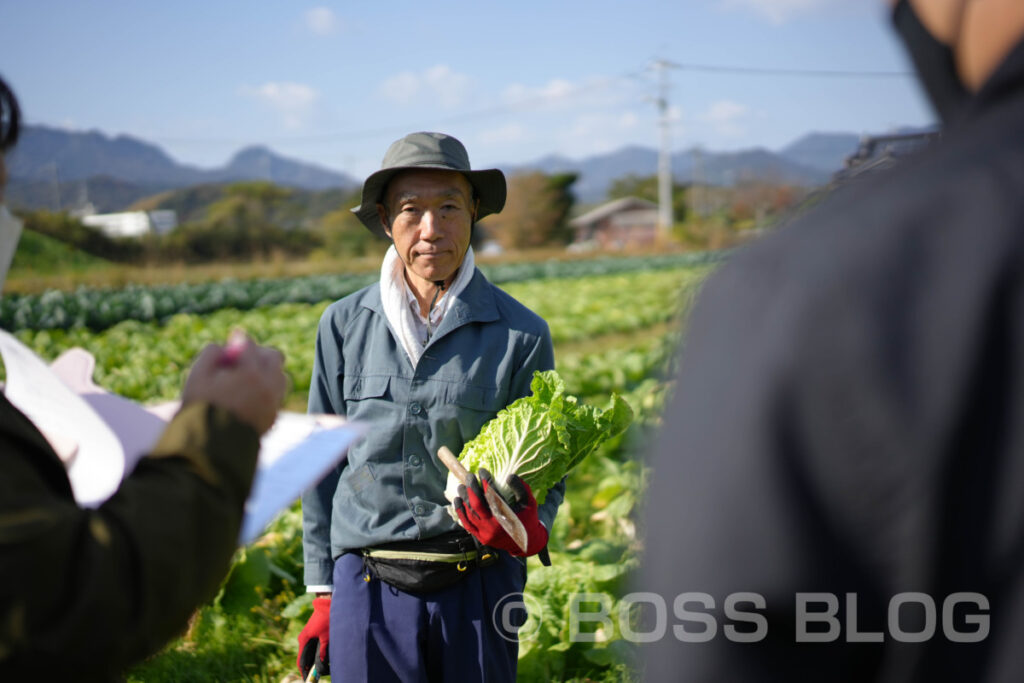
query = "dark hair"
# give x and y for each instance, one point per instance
(10, 118)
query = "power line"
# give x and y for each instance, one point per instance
(766, 71)
(482, 113)
(550, 98)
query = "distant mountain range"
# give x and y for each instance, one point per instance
(810, 161)
(51, 167)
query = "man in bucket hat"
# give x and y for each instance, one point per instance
(426, 356)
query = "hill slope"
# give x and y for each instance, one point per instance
(42, 255)
(54, 168)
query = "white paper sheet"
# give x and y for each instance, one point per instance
(136, 430)
(104, 435)
(91, 452)
(294, 456)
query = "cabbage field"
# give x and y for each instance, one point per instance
(99, 308)
(615, 328)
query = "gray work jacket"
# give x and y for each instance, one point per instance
(480, 359)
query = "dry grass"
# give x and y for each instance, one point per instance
(119, 275)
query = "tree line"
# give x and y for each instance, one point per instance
(259, 220)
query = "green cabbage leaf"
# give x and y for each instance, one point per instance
(541, 437)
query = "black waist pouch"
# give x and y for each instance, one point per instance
(428, 565)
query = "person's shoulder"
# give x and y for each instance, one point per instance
(516, 314)
(935, 232)
(346, 308)
(955, 202)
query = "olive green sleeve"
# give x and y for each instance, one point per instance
(85, 593)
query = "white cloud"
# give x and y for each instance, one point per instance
(778, 11)
(558, 94)
(628, 120)
(294, 101)
(553, 90)
(438, 84)
(321, 21)
(595, 133)
(513, 132)
(726, 117)
(724, 111)
(401, 88)
(591, 126)
(448, 86)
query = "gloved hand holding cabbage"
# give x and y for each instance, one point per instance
(540, 437)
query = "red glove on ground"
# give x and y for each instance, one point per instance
(477, 518)
(314, 639)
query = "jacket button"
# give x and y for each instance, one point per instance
(415, 461)
(415, 408)
(419, 510)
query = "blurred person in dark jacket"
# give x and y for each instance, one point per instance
(838, 494)
(84, 593)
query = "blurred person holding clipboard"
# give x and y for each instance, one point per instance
(85, 593)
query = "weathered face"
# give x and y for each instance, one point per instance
(429, 214)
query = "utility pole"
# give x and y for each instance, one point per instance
(664, 154)
(699, 196)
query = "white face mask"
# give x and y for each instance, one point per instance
(10, 233)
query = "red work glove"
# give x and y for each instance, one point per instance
(476, 517)
(315, 638)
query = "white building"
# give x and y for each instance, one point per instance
(133, 223)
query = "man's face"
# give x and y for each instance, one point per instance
(428, 214)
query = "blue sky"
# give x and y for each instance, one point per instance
(335, 82)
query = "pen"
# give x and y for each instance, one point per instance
(233, 349)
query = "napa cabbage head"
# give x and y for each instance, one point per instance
(541, 437)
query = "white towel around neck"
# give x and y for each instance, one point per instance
(404, 316)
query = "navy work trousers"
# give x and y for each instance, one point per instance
(466, 632)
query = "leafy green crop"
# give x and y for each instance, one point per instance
(98, 309)
(248, 633)
(541, 437)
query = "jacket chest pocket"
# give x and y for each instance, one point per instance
(359, 387)
(366, 396)
(473, 406)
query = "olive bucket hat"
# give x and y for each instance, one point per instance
(429, 151)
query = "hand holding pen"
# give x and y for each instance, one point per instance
(242, 377)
